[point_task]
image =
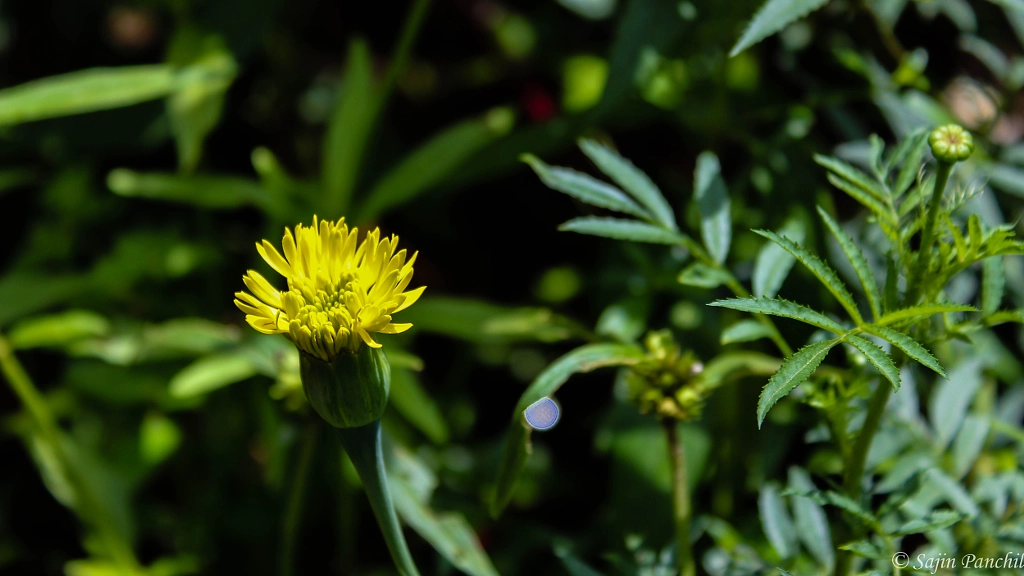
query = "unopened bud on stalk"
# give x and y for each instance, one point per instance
(951, 143)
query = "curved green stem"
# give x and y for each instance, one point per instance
(924, 253)
(87, 505)
(363, 446)
(296, 499)
(681, 507)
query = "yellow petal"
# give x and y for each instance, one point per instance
(395, 328)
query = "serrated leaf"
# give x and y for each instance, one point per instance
(908, 345)
(701, 275)
(773, 16)
(794, 371)
(958, 238)
(934, 521)
(918, 312)
(866, 199)
(811, 521)
(517, 441)
(908, 155)
(993, 284)
(775, 519)
(774, 263)
(866, 549)
(783, 308)
(857, 260)
(878, 358)
(745, 331)
(622, 229)
(891, 290)
(631, 179)
(585, 188)
(823, 272)
(854, 176)
(713, 202)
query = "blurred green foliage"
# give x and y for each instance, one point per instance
(146, 145)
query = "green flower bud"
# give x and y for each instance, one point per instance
(951, 143)
(349, 391)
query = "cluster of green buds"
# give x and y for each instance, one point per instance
(667, 383)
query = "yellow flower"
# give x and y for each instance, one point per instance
(340, 291)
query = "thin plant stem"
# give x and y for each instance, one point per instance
(347, 520)
(363, 446)
(681, 507)
(924, 254)
(297, 498)
(88, 507)
(855, 465)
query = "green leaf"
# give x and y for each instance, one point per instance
(878, 358)
(713, 201)
(211, 373)
(783, 308)
(25, 293)
(57, 330)
(517, 441)
(867, 549)
(868, 200)
(919, 312)
(968, 443)
(203, 191)
(631, 179)
(891, 291)
(775, 519)
(908, 345)
(479, 321)
(349, 129)
(953, 492)
(908, 155)
(810, 520)
(729, 365)
(936, 520)
(701, 275)
(857, 260)
(821, 271)
(415, 405)
(585, 188)
(773, 16)
(774, 263)
(194, 108)
(573, 565)
(745, 331)
(622, 229)
(434, 161)
(992, 286)
(412, 484)
(794, 371)
(84, 91)
(951, 398)
(854, 176)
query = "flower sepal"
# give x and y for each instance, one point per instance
(349, 391)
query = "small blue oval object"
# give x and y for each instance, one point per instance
(542, 414)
